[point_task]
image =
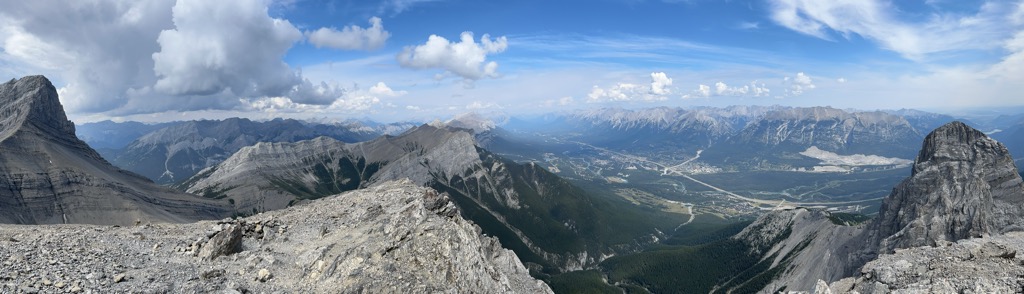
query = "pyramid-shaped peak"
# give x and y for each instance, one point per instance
(956, 141)
(32, 100)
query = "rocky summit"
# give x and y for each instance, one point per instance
(393, 237)
(963, 186)
(49, 176)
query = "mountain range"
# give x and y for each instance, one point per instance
(173, 152)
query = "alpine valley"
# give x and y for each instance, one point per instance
(738, 199)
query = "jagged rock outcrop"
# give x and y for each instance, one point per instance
(394, 237)
(47, 175)
(963, 185)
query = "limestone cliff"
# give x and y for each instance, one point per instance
(47, 175)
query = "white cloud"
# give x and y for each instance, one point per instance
(381, 89)
(218, 46)
(351, 37)
(799, 84)
(657, 90)
(97, 67)
(660, 83)
(754, 89)
(465, 58)
(877, 20)
(841, 80)
(721, 89)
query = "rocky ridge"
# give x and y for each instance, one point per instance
(48, 176)
(393, 237)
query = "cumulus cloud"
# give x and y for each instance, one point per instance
(342, 100)
(465, 58)
(225, 46)
(660, 83)
(799, 84)
(841, 80)
(155, 56)
(308, 93)
(97, 68)
(877, 20)
(351, 37)
(657, 90)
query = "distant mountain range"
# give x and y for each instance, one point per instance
(743, 131)
(49, 176)
(172, 152)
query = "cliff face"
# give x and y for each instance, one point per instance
(394, 237)
(963, 185)
(47, 175)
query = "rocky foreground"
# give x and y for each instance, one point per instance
(979, 265)
(394, 237)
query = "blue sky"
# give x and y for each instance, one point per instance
(422, 59)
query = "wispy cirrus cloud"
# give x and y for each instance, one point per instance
(882, 23)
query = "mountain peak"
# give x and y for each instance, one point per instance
(32, 100)
(956, 141)
(963, 185)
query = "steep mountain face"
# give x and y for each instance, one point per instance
(394, 237)
(543, 218)
(47, 175)
(177, 152)
(963, 185)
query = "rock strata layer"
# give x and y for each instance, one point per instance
(49, 176)
(394, 237)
